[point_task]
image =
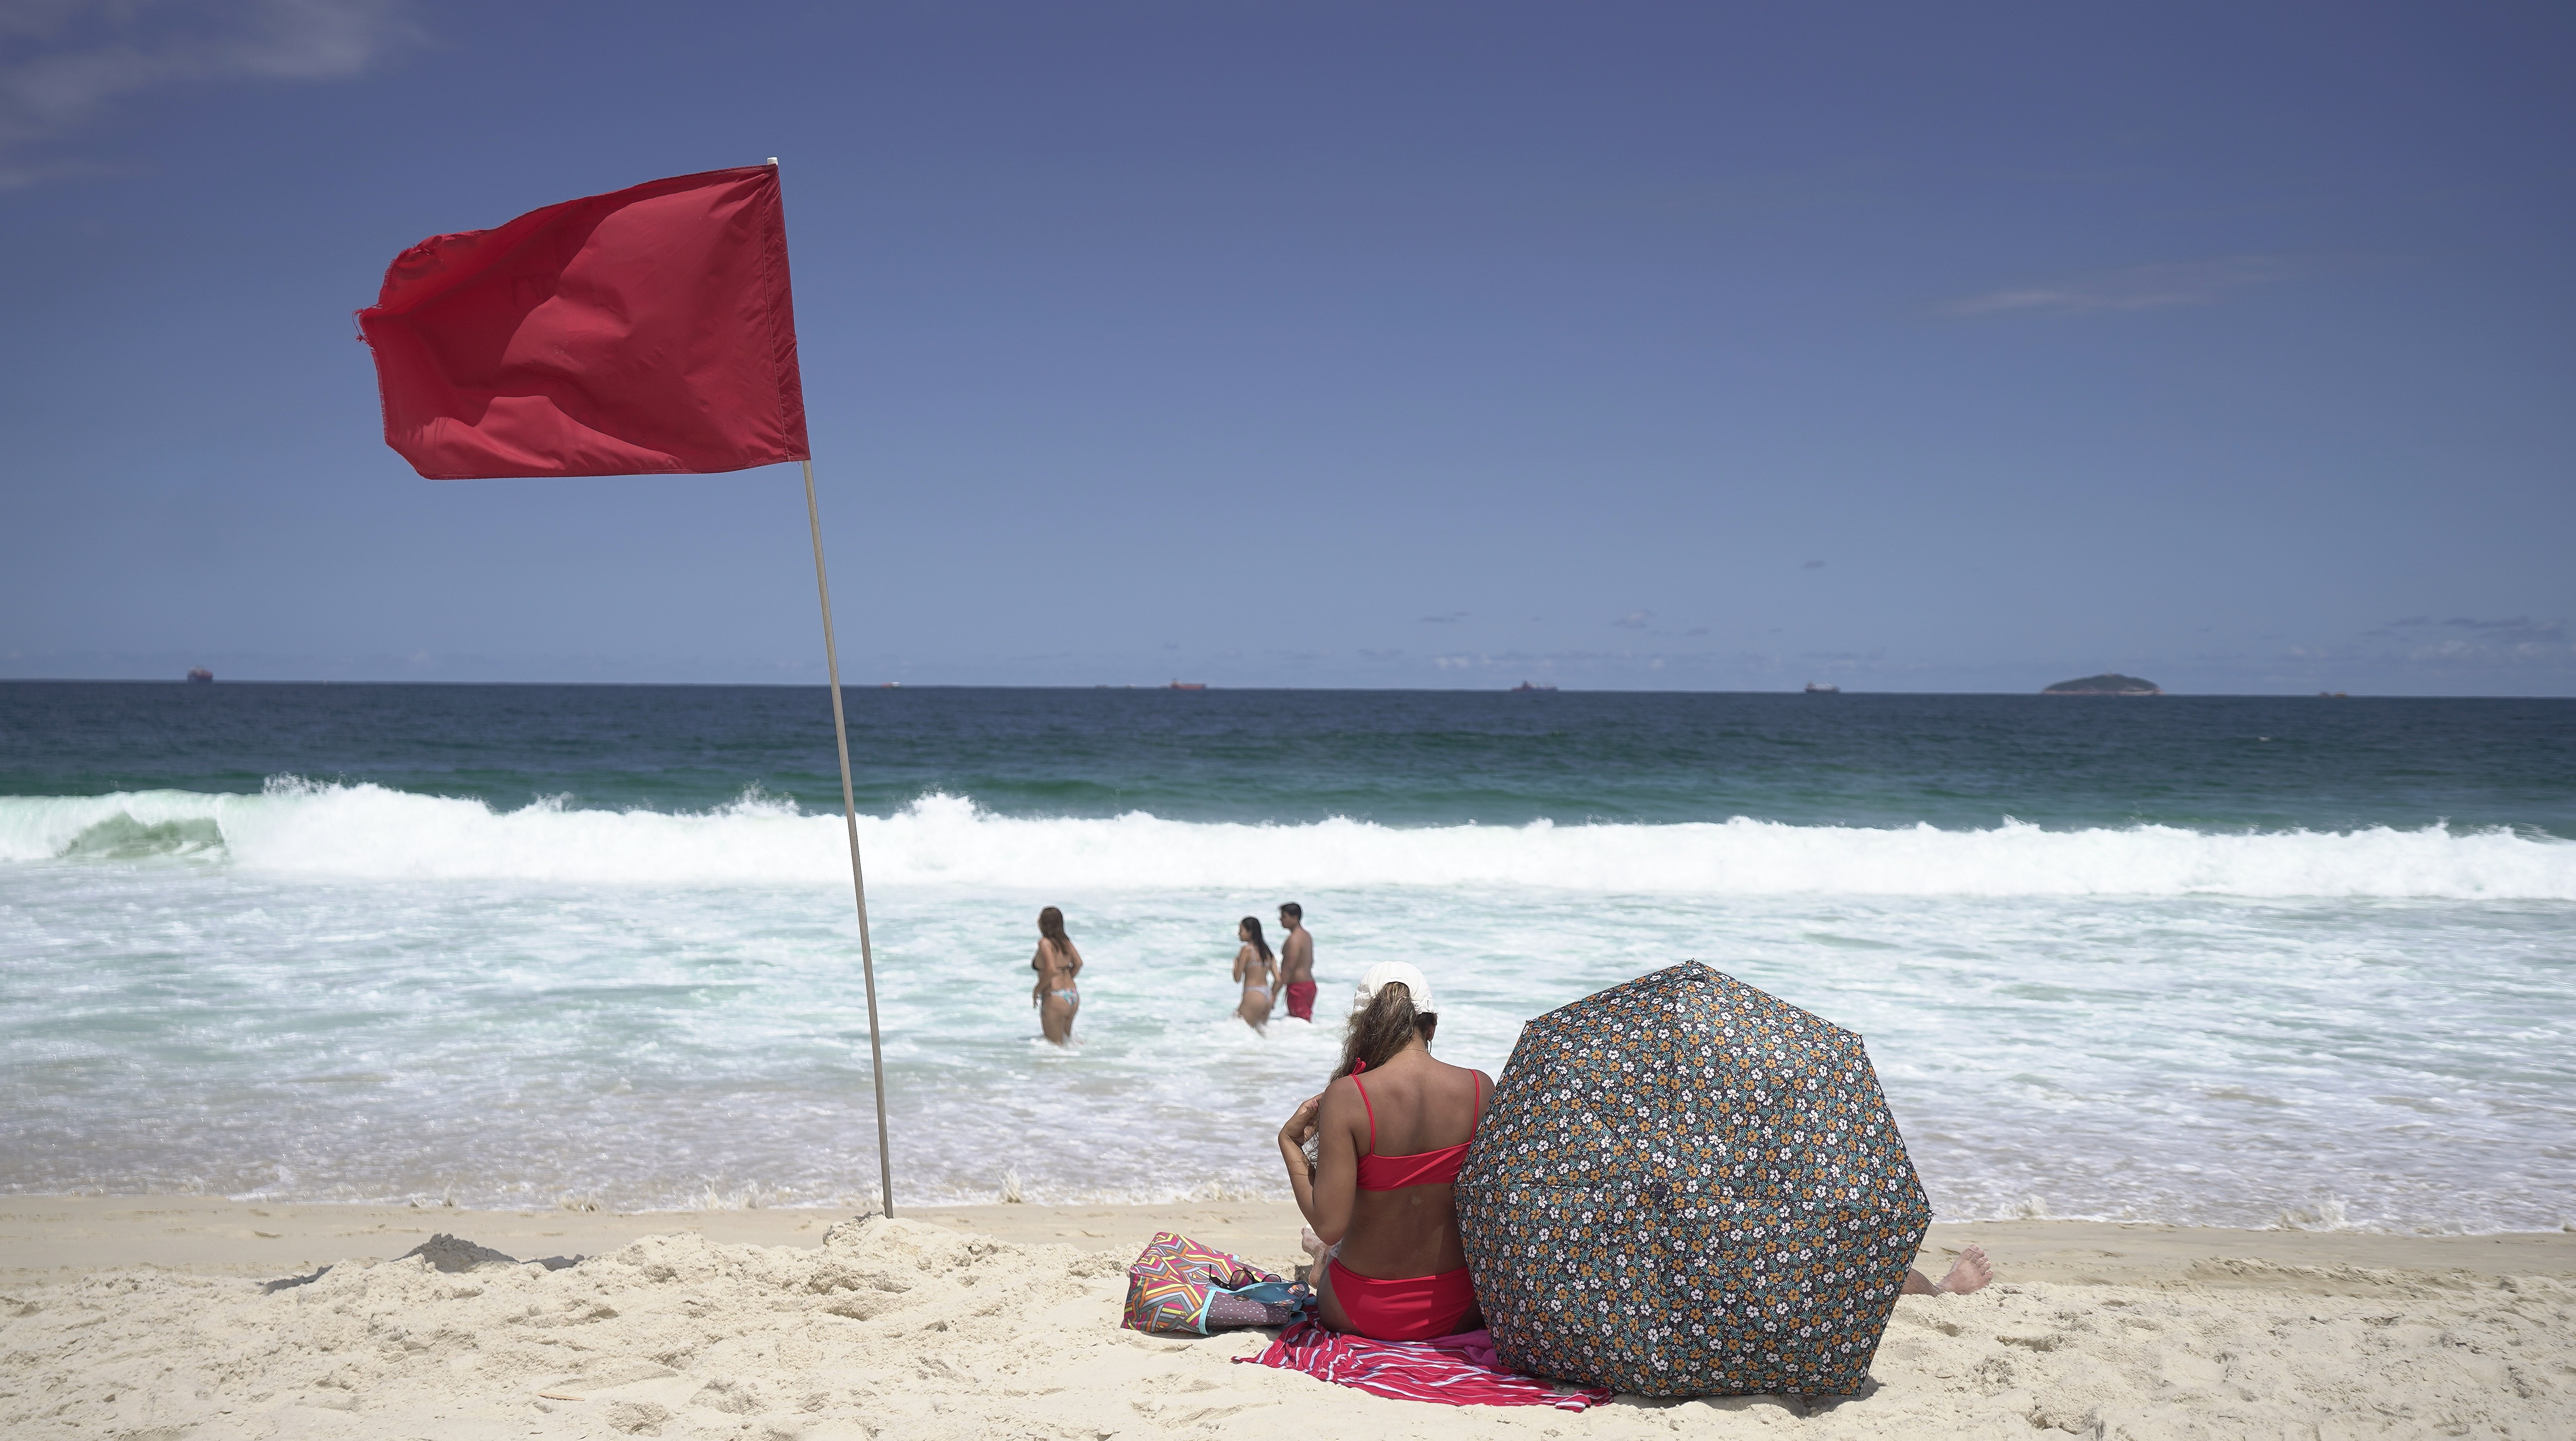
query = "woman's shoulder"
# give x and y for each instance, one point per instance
(1461, 1073)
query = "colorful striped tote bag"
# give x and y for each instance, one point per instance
(1178, 1287)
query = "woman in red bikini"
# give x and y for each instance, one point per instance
(1390, 1134)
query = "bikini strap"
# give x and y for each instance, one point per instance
(1477, 1118)
(1364, 1103)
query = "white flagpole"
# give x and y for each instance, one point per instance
(850, 820)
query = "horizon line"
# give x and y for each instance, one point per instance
(1203, 689)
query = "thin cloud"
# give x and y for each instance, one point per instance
(72, 60)
(2520, 622)
(1451, 618)
(2140, 287)
(1813, 565)
(1634, 620)
(2520, 629)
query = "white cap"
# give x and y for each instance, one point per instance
(1385, 971)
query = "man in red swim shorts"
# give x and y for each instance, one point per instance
(1297, 962)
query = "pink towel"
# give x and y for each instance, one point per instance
(1458, 1370)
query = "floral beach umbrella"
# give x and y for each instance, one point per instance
(1685, 1186)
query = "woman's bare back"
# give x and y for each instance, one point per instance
(1419, 1104)
(1056, 968)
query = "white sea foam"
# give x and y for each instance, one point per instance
(341, 991)
(940, 841)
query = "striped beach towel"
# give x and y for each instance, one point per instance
(1179, 1287)
(1459, 1370)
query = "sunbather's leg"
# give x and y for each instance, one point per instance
(1969, 1273)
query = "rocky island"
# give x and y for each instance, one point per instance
(2109, 682)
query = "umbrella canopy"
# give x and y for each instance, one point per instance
(1685, 1186)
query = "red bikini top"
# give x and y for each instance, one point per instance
(1422, 1168)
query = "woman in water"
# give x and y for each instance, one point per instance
(1056, 963)
(1256, 972)
(1391, 1132)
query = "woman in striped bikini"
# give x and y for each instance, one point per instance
(1390, 1135)
(1256, 972)
(1057, 964)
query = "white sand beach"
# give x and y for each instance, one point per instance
(149, 1318)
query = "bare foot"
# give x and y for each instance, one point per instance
(1969, 1273)
(1311, 1244)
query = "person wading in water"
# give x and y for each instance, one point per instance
(1056, 963)
(1296, 962)
(1255, 971)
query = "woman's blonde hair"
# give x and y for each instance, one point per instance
(1384, 1027)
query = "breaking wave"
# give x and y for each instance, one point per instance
(367, 832)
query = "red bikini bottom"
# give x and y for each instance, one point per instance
(1410, 1308)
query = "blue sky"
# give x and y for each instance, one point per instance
(1388, 344)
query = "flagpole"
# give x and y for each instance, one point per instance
(850, 820)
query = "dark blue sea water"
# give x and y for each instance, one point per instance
(1395, 757)
(2215, 959)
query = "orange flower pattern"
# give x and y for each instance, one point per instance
(1685, 1186)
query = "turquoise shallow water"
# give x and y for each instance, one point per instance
(2191, 959)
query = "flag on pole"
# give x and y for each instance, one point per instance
(649, 331)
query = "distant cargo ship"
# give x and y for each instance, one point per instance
(1525, 685)
(1815, 689)
(199, 675)
(1187, 685)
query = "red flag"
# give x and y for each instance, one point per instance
(648, 331)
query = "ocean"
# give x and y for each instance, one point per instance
(2232, 961)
